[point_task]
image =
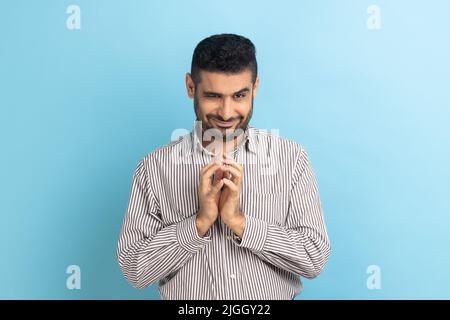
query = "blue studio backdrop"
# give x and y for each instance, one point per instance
(87, 88)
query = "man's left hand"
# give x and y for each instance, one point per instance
(229, 208)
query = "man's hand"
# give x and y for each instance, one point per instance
(229, 208)
(209, 196)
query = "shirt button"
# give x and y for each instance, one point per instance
(232, 276)
(229, 238)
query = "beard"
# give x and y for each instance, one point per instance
(229, 134)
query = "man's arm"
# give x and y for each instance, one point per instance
(302, 245)
(147, 251)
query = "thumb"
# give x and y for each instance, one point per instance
(218, 185)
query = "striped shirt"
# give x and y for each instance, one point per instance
(284, 239)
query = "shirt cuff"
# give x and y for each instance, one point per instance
(255, 234)
(187, 235)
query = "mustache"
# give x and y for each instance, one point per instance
(214, 117)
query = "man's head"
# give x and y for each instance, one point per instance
(223, 82)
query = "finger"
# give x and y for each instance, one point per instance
(230, 184)
(233, 170)
(218, 186)
(236, 173)
(210, 170)
(234, 164)
(229, 159)
(208, 166)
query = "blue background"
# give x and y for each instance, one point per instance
(79, 108)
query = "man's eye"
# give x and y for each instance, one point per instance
(211, 96)
(240, 95)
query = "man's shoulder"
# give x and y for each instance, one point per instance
(289, 152)
(273, 139)
(172, 148)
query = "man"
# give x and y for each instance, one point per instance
(228, 211)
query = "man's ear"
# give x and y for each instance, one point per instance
(190, 85)
(255, 86)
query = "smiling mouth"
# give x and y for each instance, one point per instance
(224, 124)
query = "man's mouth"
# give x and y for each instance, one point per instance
(224, 124)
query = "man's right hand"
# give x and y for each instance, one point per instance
(209, 195)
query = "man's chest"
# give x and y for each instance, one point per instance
(264, 192)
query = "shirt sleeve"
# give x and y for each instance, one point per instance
(301, 246)
(148, 251)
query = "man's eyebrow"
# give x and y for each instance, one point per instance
(212, 93)
(243, 90)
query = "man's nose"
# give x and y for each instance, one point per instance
(226, 111)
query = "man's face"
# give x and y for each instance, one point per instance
(223, 101)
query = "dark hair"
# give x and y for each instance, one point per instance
(229, 53)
